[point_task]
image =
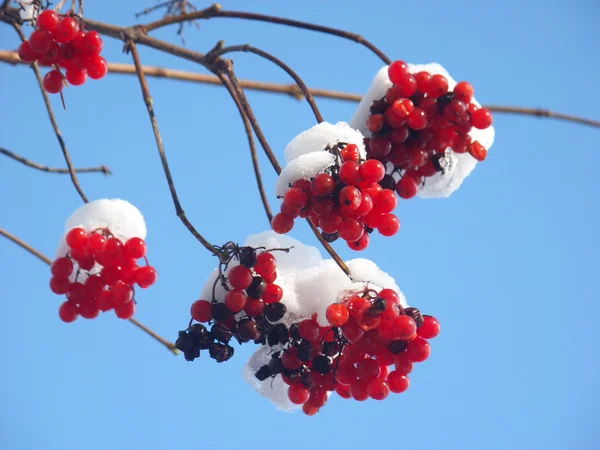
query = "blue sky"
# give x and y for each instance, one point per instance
(508, 264)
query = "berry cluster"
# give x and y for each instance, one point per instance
(249, 310)
(370, 331)
(111, 283)
(62, 43)
(419, 122)
(347, 202)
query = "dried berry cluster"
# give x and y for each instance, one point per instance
(111, 286)
(347, 201)
(419, 121)
(250, 307)
(62, 43)
(370, 331)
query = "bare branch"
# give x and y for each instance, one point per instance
(131, 47)
(57, 132)
(11, 237)
(105, 170)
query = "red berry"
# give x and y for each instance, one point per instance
(77, 293)
(53, 82)
(66, 30)
(454, 111)
(337, 314)
(322, 185)
(390, 296)
(372, 171)
(418, 349)
(397, 71)
(66, 55)
(463, 91)
(59, 285)
(417, 120)
(272, 293)
(122, 293)
(349, 173)
(40, 41)
(385, 202)
(430, 327)
(265, 264)
(43, 62)
(295, 198)
(407, 187)
(105, 301)
(290, 359)
(350, 153)
(351, 230)
(282, 224)
(239, 277)
(76, 238)
(350, 197)
(368, 369)
(360, 244)
(89, 310)
(438, 86)
(308, 329)
(359, 391)
(407, 86)
(201, 311)
(298, 394)
(375, 123)
(379, 147)
(145, 276)
(53, 53)
(134, 248)
(403, 364)
(352, 330)
(310, 409)
(477, 151)
(330, 223)
(254, 307)
(76, 77)
(47, 20)
(92, 43)
(289, 211)
(235, 300)
(366, 205)
(110, 275)
(26, 53)
(482, 118)
(86, 261)
(405, 327)
(97, 67)
(397, 382)
(68, 312)
(388, 225)
(62, 267)
(125, 311)
(422, 81)
(378, 389)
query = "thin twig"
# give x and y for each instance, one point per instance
(131, 47)
(301, 85)
(248, 129)
(170, 346)
(215, 11)
(61, 141)
(59, 5)
(293, 90)
(105, 170)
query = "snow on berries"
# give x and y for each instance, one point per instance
(61, 42)
(330, 182)
(100, 260)
(428, 129)
(241, 301)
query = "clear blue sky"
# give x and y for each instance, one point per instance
(514, 285)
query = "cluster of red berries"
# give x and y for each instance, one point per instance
(62, 43)
(347, 202)
(370, 331)
(248, 311)
(418, 121)
(116, 271)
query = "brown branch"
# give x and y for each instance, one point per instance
(131, 47)
(57, 132)
(105, 170)
(215, 11)
(170, 346)
(301, 85)
(248, 129)
(293, 90)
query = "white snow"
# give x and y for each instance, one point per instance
(122, 218)
(303, 167)
(29, 10)
(315, 139)
(312, 284)
(440, 185)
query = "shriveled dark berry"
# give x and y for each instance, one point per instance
(397, 346)
(248, 257)
(294, 333)
(378, 106)
(247, 330)
(198, 331)
(330, 348)
(321, 364)
(221, 333)
(192, 354)
(276, 366)
(435, 160)
(220, 312)
(283, 333)
(443, 100)
(273, 337)
(275, 311)
(263, 373)
(256, 289)
(221, 352)
(293, 375)
(388, 183)
(304, 350)
(378, 306)
(330, 237)
(184, 342)
(415, 314)
(307, 378)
